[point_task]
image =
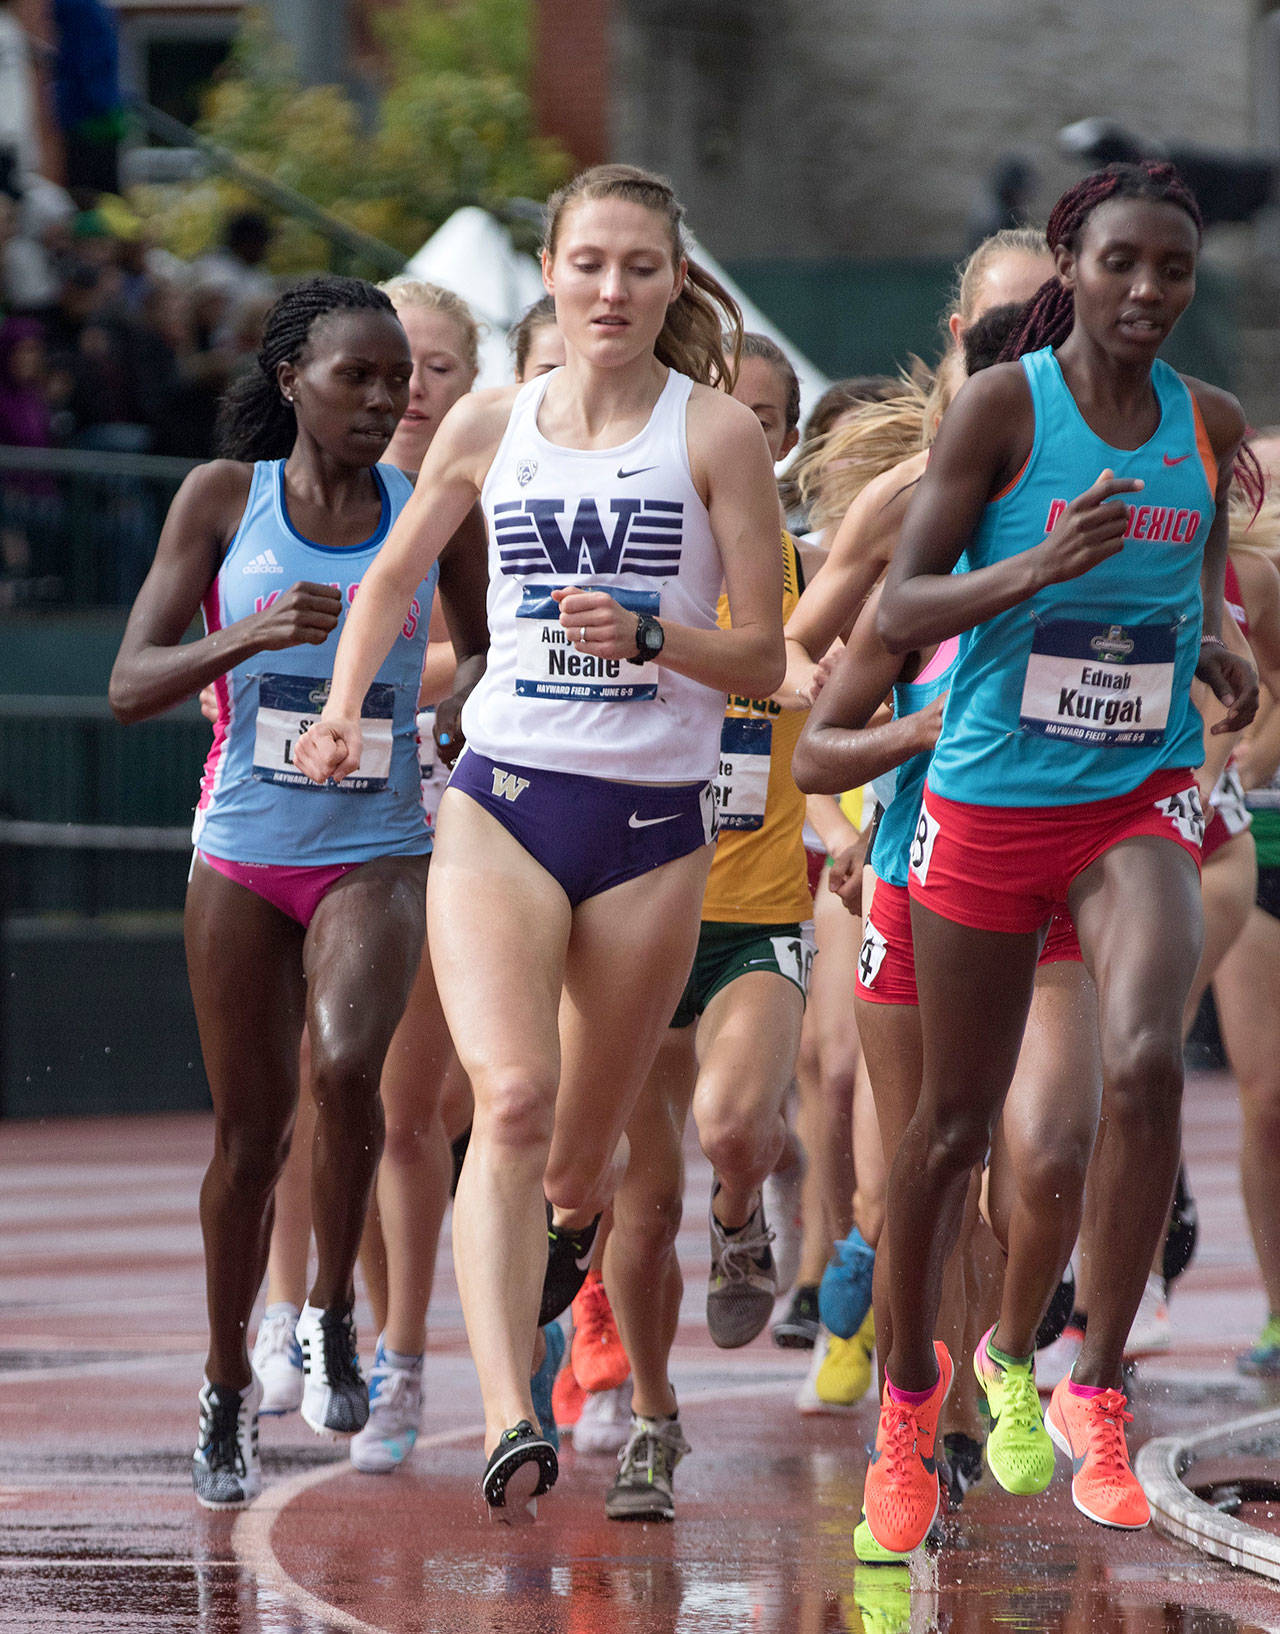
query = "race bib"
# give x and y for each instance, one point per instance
(289, 704)
(922, 844)
(794, 954)
(1100, 683)
(742, 783)
(871, 955)
(548, 665)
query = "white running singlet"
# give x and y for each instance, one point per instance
(627, 520)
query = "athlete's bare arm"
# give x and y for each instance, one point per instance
(448, 484)
(154, 668)
(1231, 677)
(464, 584)
(983, 442)
(859, 554)
(839, 748)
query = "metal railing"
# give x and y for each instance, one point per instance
(81, 525)
(95, 817)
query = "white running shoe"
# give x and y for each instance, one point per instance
(782, 1210)
(1055, 1361)
(605, 1421)
(225, 1470)
(277, 1360)
(395, 1415)
(335, 1398)
(1151, 1331)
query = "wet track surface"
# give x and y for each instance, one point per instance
(101, 1313)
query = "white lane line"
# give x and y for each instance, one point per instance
(251, 1534)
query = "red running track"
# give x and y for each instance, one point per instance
(101, 1344)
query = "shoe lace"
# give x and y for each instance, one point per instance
(388, 1388)
(341, 1366)
(222, 1440)
(1021, 1399)
(651, 1452)
(1108, 1416)
(900, 1431)
(743, 1254)
(276, 1335)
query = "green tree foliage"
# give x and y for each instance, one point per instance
(453, 125)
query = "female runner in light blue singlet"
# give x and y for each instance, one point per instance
(1062, 773)
(303, 902)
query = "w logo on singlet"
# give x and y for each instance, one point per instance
(644, 536)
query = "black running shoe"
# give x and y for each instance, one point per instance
(963, 1457)
(1184, 1230)
(335, 1397)
(799, 1328)
(1058, 1315)
(568, 1261)
(522, 1467)
(224, 1469)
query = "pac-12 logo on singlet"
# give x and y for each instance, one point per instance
(639, 536)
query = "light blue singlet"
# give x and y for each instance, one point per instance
(255, 806)
(1083, 692)
(897, 825)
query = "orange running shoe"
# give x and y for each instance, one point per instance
(901, 1492)
(599, 1361)
(1090, 1430)
(567, 1397)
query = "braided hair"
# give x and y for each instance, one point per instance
(254, 421)
(1049, 315)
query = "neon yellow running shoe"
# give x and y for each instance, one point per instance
(869, 1551)
(845, 1374)
(882, 1595)
(1019, 1451)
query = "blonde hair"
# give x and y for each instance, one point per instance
(704, 318)
(878, 436)
(416, 292)
(1253, 526)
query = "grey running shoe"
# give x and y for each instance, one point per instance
(225, 1470)
(643, 1490)
(743, 1284)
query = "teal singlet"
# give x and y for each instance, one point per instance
(1083, 691)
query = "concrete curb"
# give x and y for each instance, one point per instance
(1161, 1465)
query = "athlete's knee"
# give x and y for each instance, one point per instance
(739, 1146)
(647, 1220)
(957, 1141)
(409, 1142)
(515, 1108)
(1053, 1176)
(1143, 1074)
(251, 1156)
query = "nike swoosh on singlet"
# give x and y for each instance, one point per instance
(636, 821)
(623, 475)
(1178, 461)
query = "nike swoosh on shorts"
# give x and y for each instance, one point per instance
(636, 821)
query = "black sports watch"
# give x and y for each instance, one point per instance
(649, 639)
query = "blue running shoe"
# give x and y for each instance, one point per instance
(542, 1381)
(844, 1294)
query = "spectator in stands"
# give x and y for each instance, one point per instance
(29, 536)
(237, 267)
(86, 87)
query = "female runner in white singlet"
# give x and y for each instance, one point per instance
(573, 841)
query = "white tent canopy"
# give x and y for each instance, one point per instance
(472, 254)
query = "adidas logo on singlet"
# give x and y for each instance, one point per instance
(264, 562)
(646, 537)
